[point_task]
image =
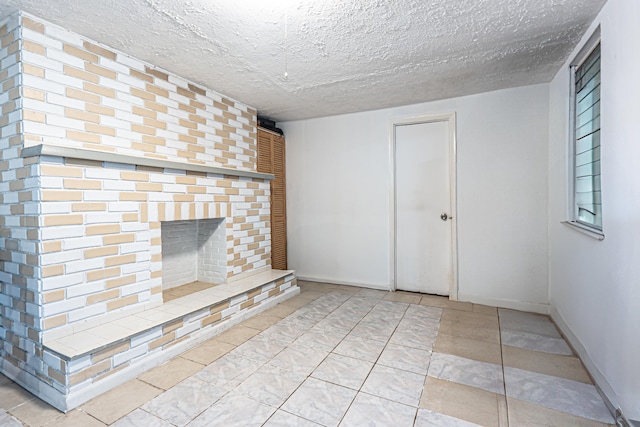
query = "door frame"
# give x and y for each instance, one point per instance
(450, 119)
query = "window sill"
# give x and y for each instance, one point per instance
(584, 230)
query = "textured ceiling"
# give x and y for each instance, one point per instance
(341, 56)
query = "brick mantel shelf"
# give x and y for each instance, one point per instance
(101, 156)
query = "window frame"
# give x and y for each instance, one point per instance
(572, 211)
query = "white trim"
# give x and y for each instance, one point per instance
(533, 307)
(450, 118)
(331, 281)
(591, 232)
(611, 399)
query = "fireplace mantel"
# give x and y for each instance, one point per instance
(103, 156)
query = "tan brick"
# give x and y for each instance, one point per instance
(110, 351)
(99, 109)
(104, 273)
(197, 104)
(120, 260)
(143, 129)
(172, 326)
(81, 115)
(157, 90)
(81, 74)
(156, 73)
(102, 130)
(91, 371)
(56, 375)
(196, 89)
(53, 270)
(155, 106)
(143, 147)
(143, 94)
(118, 238)
(77, 52)
(187, 138)
(100, 90)
(82, 184)
(156, 257)
(156, 290)
(33, 25)
(213, 318)
(84, 96)
(121, 281)
(162, 340)
(183, 198)
(122, 302)
(88, 207)
(135, 197)
(187, 108)
(99, 50)
(103, 296)
(53, 296)
(83, 136)
(154, 123)
(101, 71)
(59, 196)
(134, 176)
(186, 180)
(34, 116)
(156, 274)
(146, 186)
(141, 76)
(144, 112)
(33, 93)
(54, 322)
(130, 217)
(52, 246)
(247, 304)
(196, 190)
(33, 70)
(148, 139)
(219, 307)
(93, 230)
(100, 252)
(50, 220)
(34, 47)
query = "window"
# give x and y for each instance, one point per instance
(585, 127)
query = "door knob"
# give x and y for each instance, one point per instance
(444, 217)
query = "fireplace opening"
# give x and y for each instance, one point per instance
(194, 256)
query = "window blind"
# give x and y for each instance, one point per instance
(588, 192)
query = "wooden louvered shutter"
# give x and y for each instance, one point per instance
(264, 153)
(271, 159)
(278, 206)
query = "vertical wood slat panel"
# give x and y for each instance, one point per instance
(271, 159)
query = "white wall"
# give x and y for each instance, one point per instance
(338, 195)
(595, 285)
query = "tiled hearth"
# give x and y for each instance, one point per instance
(99, 152)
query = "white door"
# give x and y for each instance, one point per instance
(423, 208)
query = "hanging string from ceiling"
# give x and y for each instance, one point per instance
(286, 46)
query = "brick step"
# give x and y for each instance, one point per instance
(87, 363)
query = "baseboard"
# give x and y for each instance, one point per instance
(605, 389)
(533, 307)
(333, 281)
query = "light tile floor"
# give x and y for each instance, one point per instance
(347, 356)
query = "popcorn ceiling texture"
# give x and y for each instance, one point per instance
(341, 56)
(81, 239)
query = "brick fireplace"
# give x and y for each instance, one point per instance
(119, 179)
